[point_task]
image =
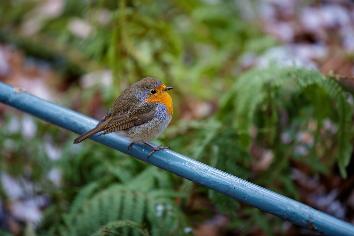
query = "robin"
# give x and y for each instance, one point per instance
(141, 113)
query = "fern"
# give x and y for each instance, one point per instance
(251, 91)
(115, 229)
(254, 104)
(140, 201)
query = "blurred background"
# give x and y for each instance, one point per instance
(262, 91)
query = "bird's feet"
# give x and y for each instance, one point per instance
(130, 146)
(154, 148)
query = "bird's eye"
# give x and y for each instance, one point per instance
(153, 91)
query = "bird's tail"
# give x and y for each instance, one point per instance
(88, 134)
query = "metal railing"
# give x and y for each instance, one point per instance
(234, 187)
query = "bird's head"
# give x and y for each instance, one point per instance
(154, 91)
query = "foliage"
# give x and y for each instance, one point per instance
(250, 116)
(275, 87)
(145, 198)
(115, 192)
(114, 228)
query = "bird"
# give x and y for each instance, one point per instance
(141, 113)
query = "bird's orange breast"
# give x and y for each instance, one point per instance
(163, 98)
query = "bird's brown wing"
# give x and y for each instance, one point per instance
(136, 116)
(122, 105)
(125, 113)
(125, 102)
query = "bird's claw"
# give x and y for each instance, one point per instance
(130, 146)
(156, 149)
(153, 148)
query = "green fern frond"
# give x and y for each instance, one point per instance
(82, 196)
(121, 203)
(251, 91)
(141, 201)
(115, 229)
(151, 177)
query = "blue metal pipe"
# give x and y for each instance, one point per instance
(183, 166)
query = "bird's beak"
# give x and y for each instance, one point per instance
(168, 88)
